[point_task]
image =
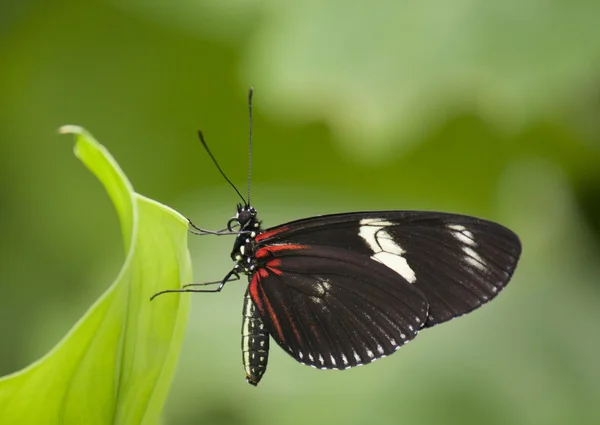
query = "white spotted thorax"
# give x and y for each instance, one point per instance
(243, 247)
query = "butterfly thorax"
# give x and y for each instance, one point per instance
(244, 245)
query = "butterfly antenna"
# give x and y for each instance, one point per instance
(250, 92)
(217, 164)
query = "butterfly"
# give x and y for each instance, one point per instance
(343, 290)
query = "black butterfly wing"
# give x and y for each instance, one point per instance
(457, 262)
(332, 308)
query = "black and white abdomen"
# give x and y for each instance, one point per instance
(255, 342)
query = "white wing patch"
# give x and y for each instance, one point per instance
(396, 263)
(385, 249)
(466, 237)
(474, 259)
(461, 233)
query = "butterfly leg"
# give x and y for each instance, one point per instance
(233, 275)
(201, 232)
(231, 279)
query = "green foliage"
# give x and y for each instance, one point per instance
(379, 71)
(116, 365)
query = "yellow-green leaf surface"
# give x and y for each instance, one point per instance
(116, 365)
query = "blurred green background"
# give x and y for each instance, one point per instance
(483, 108)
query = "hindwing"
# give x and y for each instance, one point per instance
(333, 308)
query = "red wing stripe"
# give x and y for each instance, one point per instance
(275, 271)
(274, 263)
(264, 252)
(272, 266)
(254, 293)
(270, 233)
(275, 319)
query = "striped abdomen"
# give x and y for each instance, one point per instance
(255, 342)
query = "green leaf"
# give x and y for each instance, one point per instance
(116, 365)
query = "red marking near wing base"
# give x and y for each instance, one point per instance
(274, 263)
(272, 266)
(276, 271)
(254, 293)
(270, 233)
(258, 298)
(263, 252)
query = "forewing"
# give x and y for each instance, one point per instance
(332, 308)
(458, 262)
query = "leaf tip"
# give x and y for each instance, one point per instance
(71, 129)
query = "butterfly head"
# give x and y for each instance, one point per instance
(246, 216)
